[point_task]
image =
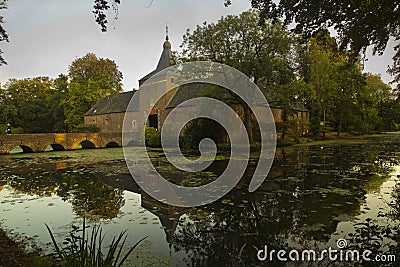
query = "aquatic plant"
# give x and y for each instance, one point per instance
(87, 251)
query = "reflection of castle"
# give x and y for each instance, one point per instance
(108, 114)
(167, 214)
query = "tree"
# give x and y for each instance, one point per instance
(56, 101)
(25, 104)
(262, 53)
(342, 98)
(384, 99)
(358, 23)
(99, 9)
(91, 78)
(320, 69)
(3, 33)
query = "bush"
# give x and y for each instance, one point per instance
(86, 128)
(17, 130)
(286, 142)
(200, 129)
(152, 137)
(3, 129)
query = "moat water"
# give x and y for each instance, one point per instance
(313, 196)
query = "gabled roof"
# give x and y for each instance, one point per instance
(185, 92)
(188, 91)
(116, 103)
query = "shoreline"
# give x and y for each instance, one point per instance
(14, 253)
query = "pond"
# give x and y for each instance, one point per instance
(313, 196)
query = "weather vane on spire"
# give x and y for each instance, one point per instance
(166, 31)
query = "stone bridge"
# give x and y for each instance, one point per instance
(58, 141)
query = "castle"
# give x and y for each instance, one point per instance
(108, 114)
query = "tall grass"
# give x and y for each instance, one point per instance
(82, 251)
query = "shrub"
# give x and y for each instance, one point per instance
(200, 129)
(152, 137)
(17, 130)
(86, 128)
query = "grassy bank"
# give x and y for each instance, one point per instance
(343, 138)
(13, 254)
(330, 138)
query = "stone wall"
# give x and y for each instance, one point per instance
(107, 123)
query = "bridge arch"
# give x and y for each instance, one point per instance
(112, 144)
(21, 149)
(85, 144)
(55, 147)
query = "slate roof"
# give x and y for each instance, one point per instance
(186, 92)
(296, 106)
(189, 91)
(116, 103)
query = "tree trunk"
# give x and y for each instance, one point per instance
(248, 124)
(340, 123)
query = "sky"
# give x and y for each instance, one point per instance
(47, 35)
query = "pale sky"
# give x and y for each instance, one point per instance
(47, 35)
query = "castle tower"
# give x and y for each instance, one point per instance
(164, 61)
(150, 91)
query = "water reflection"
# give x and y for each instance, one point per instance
(89, 196)
(309, 191)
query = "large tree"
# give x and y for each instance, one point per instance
(29, 104)
(58, 98)
(360, 24)
(91, 78)
(262, 53)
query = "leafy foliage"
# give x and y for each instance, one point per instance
(152, 137)
(294, 72)
(86, 128)
(260, 52)
(200, 129)
(91, 78)
(32, 104)
(42, 104)
(99, 9)
(343, 98)
(359, 23)
(3, 33)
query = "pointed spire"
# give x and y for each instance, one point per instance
(165, 59)
(167, 44)
(166, 31)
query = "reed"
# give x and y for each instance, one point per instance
(85, 251)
